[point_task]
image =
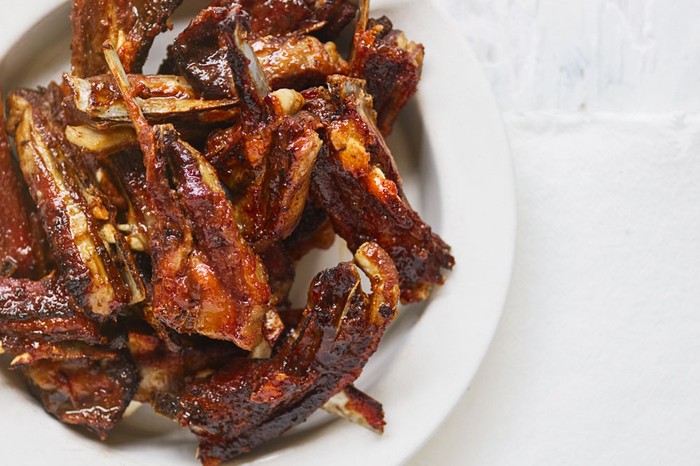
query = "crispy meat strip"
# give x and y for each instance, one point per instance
(63, 355)
(216, 287)
(130, 26)
(389, 63)
(363, 202)
(84, 391)
(275, 200)
(23, 251)
(350, 403)
(206, 279)
(268, 159)
(162, 98)
(292, 60)
(43, 311)
(89, 251)
(335, 15)
(251, 401)
(170, 243)
(195, 54)
(40, 320)
(297, 61)
(344, 94)
(30, 351)
(226, 267)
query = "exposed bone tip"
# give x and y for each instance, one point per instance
(203, 374)
(104, 141)
(261, 351)
(22, 359)
(369, 416)
(289, 100)
(136, 243)
(132, 408)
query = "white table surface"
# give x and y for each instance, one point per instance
(596, 359)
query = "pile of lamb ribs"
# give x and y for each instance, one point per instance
(152, 223)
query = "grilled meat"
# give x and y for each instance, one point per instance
(130, 26)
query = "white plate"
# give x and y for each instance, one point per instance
(453, 154)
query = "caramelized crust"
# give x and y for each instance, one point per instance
(267, 161)
(190, 232)
(390, 64)
(297, 61)
(206, 279)
(279, 17)
(288, 58)
(275, 199)
(64, 356)
(196, 55)
(43, 311)
(130, 26)
(23, 252)
(99, 270)
(83, 391)
(226, 275)
(363, 203)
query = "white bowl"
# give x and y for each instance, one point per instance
(453, 154)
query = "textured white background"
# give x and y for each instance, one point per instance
(596, 360)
